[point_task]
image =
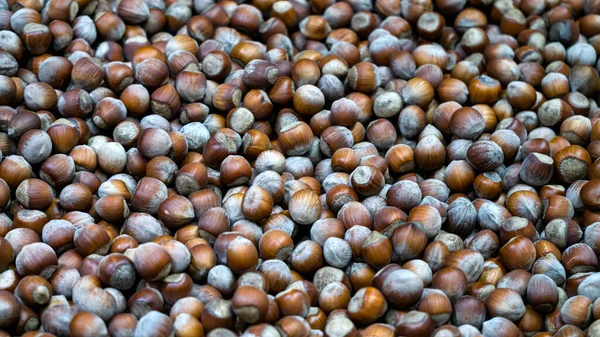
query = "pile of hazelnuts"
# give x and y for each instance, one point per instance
(299, 168)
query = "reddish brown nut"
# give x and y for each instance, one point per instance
(152, 261)
(10, 309)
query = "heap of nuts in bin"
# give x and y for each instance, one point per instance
(294, 168)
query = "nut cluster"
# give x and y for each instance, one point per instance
(299, 168)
